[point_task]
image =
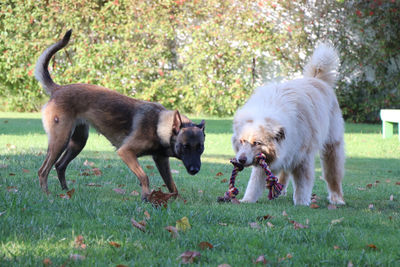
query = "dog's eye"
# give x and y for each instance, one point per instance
(256, 143)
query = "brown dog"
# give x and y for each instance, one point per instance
(136, 128)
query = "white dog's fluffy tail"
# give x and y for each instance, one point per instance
(323, 64)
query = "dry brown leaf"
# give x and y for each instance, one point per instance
(147, 214)
(205, 245)
(224, 265)
(138, 225)
(219, 174)
(314, 206)
(224, 180)
(284, 213)
(114, 244)
(261, 259)
(158, 198)
(369, 186)
(47, 262)
(397, 183)
(289, 256)
(298, 225)
(270, 225)
(336, 247)
(150, 167)
(71, 192)
(372, 246)
(11, 174)
(12, 189)
(119, 191)
(371, 206)
(173, 231)
(96, 171)
(265, 217)
(85, 172)
(88, 163)
(235, 201)
(134, 193)
(79, 242)
(121, 265)
(25, 170)
(189, 256)
(76, 257)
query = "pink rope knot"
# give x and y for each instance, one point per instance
(274, 187)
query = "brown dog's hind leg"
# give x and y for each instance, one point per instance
(163, 167)
(128, 155)
(75, 146)
(58, 134)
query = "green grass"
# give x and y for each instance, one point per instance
(34, 227)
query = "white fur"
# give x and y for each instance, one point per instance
(309, 112)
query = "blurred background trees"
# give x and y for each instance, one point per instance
(201, 56)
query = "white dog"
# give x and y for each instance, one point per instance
(289, 123)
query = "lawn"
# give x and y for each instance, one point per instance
(93, 227)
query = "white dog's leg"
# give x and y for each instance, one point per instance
(284, 178)
(256, 186)
(303, 182)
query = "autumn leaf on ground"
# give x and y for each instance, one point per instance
(93, 184)
(11, 174)
(368, 186)
(173, 231)
(336, 247)
(121, 265)
(235, 201)
(76, 257)
(138, 225)
(314, 206)
(219, 174)
(224, 180)
(270, 225)
(119, 191)
(397, 183)
(371, 206)
(88, 163)
(96, 171)
(183, 224)
(114, 244)
(205, 245)
(79, 242)
(174, 171)
(25, 170)
(284, 213)
(350, 264)
(150, 167)
(337, 221)
(372, 246)
(147, 214)
(12, 189)
(158, 198)
(298, 225)
(189, 256)
(261, 259)
(69, 194)
(134, 193)
(47, 262)
(224, 265)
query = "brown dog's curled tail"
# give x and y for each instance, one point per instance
(41, 70)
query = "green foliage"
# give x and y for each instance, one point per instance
(200, 56)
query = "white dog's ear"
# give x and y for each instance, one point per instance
(280, 135)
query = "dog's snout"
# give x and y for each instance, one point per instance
(242, 159)
(193, 170)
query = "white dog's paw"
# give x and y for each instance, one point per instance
(304, 201)
(336, 199)
(284, 191)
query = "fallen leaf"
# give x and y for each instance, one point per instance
(147, 214)
(205, 245)
(150, 167)
(12, 189)
(88, 163)
(332, 207)
(79, 242)
(350, 264)
(298, 225)
(183, 224)
(6, 121)
(219, 174)
(371, 206)
(336, 221)
(174, 171)
(134, 193)
(368, 185)
(158, 198)
(96, 171)
(224, 265)
(93, 184)
(372, 246)
(284, 213)
(121, 265)
(224, 180)
(265, 217)
(261, 259)
(121, 185)
(235, 201)
(25, 170)
(119, 191)
(391, 198)
(314, 206)
(114, 244)
(76, 257)
(397, 183)
(289, 256)
(270, 225)
(46, 262)
(189, 256)
(11, 174)
(138, 225)
(143, 223)
(254, 225)
(71, 192)
(336, 247)
(173, 231)
(85, 172)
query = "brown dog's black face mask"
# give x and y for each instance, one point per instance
(190, 145)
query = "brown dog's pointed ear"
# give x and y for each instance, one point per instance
(176, 126)
(202, 125)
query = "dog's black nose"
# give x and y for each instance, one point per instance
(193, 170)
(242, 159)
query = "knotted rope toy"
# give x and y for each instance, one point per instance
(274, 187)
